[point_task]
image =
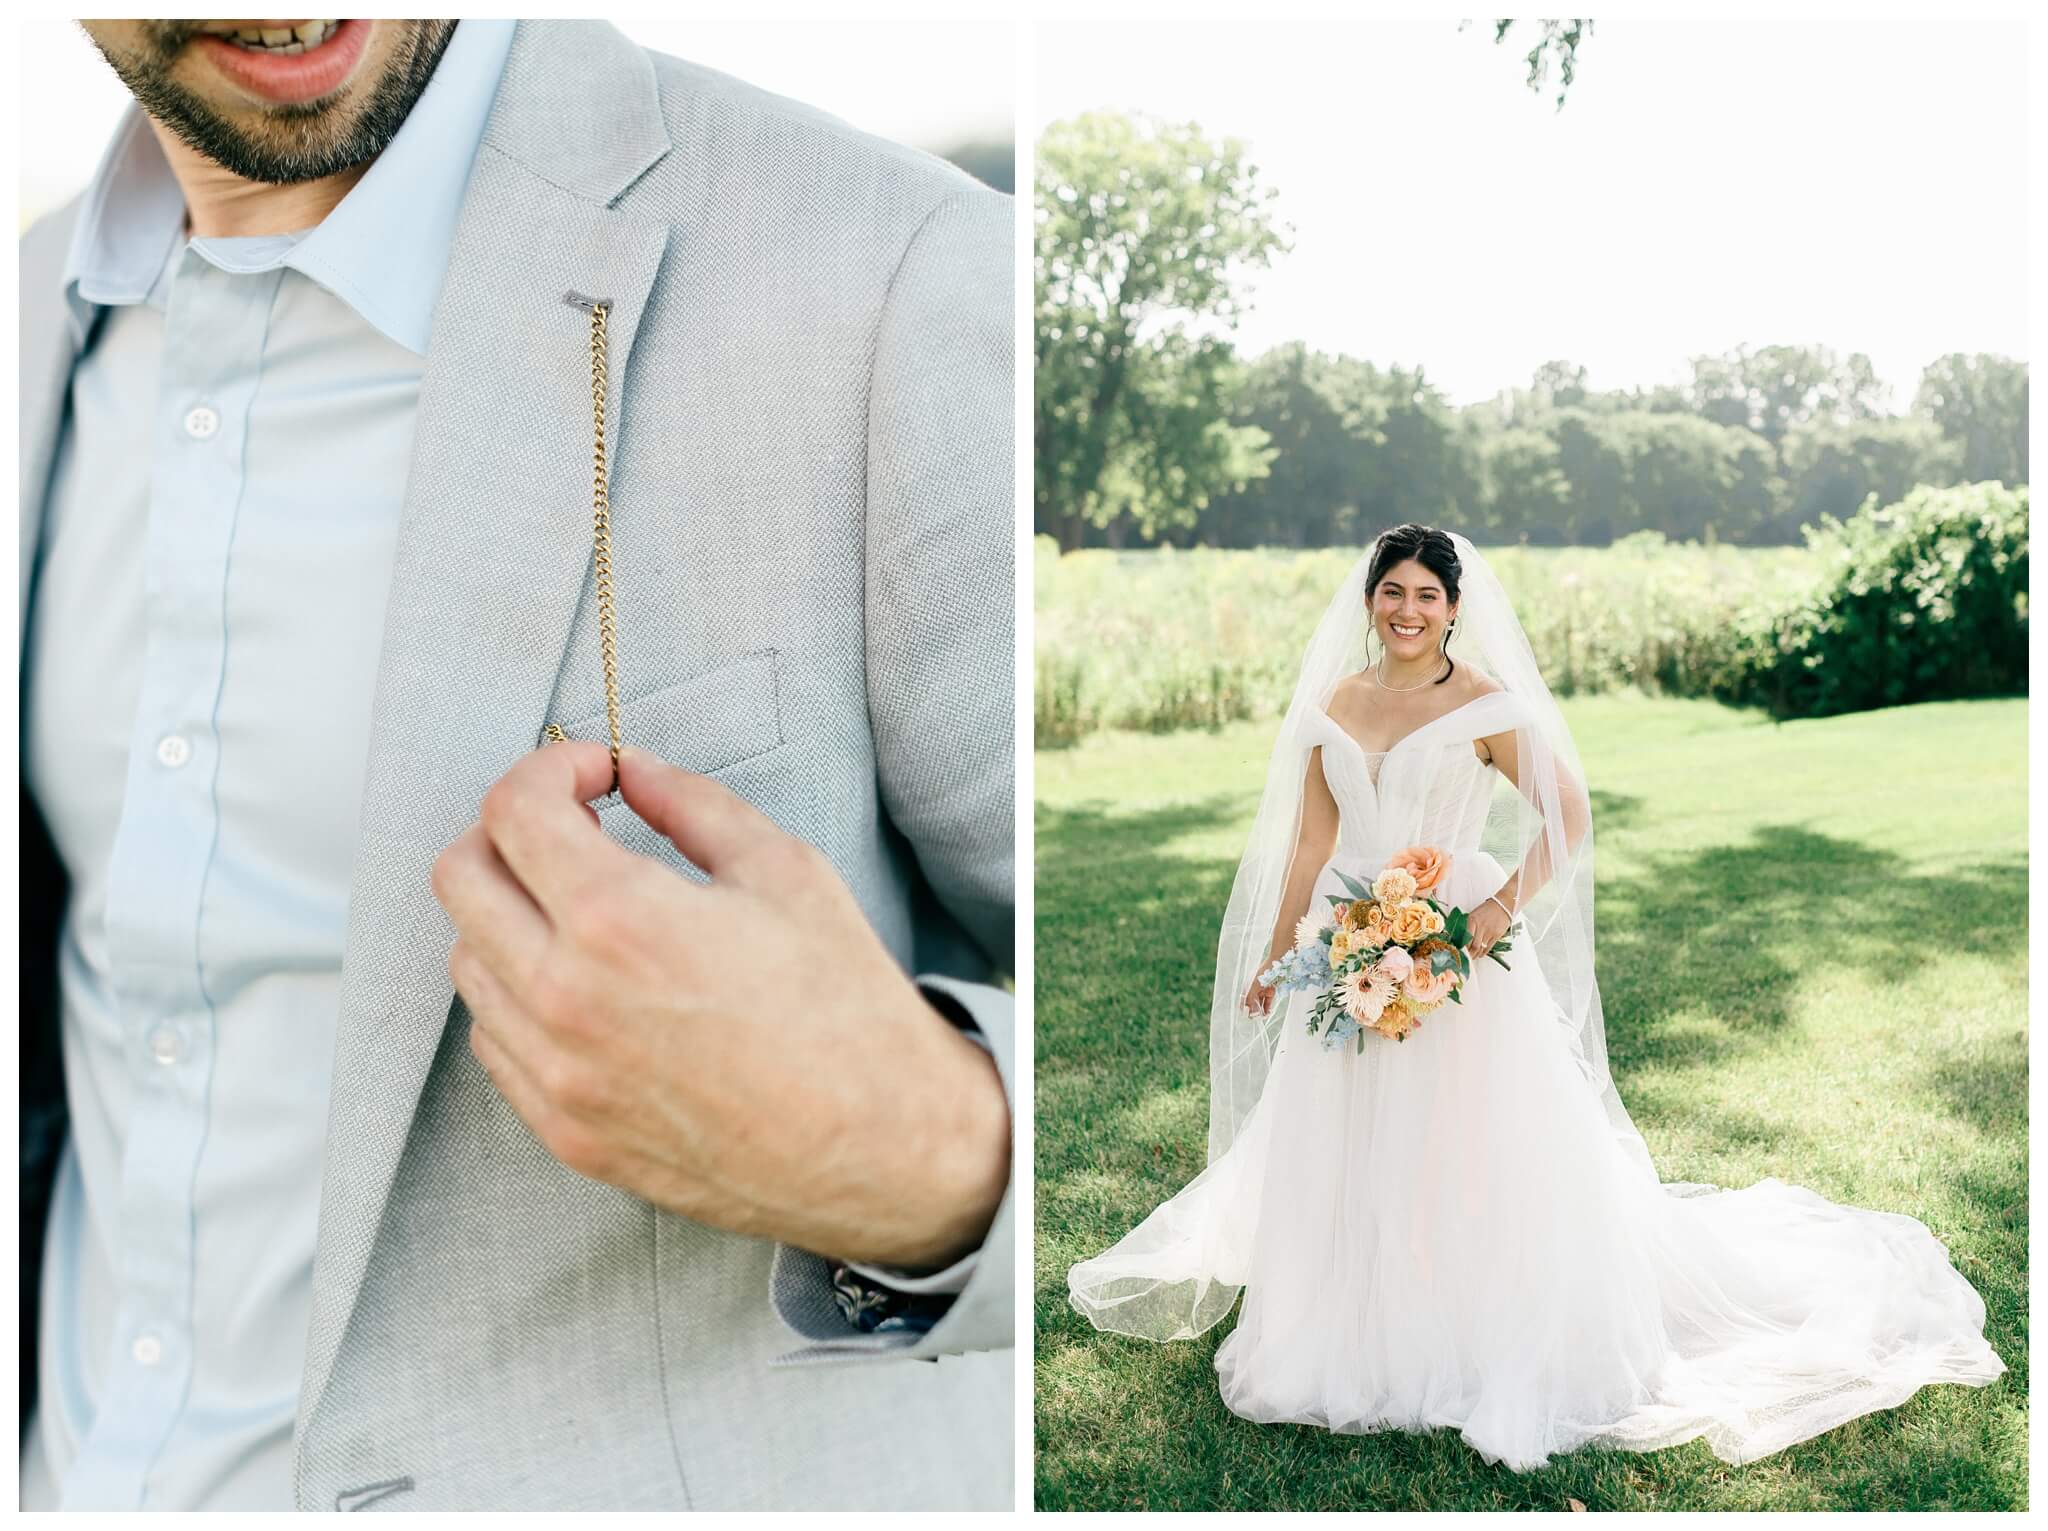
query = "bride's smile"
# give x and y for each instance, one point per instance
(1410, 613)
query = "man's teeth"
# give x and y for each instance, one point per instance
(287, 41)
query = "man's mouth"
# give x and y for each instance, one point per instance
(287, 62)
(287, 41)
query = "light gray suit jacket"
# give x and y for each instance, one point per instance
(814, 564)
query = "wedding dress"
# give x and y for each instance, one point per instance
(1464, 1229)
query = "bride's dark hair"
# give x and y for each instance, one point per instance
(1433, 549)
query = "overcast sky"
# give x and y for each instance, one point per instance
(934, 84)
(1861, 185)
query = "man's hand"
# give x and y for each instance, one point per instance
(744, 1052)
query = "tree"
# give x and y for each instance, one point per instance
(1694, 480)
(1557, 41)
(1312, 480)
(1980, 403)
(1561, 384)
(1145, 232)
(1778, 387)
(1832, 468)
(1527, 495)
(1359, 448)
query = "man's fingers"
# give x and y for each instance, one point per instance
(521, 1093)
(493, 1003)
(490, 910)
(708, 822)
(538, 818)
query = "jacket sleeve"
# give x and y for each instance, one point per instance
(981, 1316)
(940, 609)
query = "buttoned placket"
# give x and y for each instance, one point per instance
(215, 324)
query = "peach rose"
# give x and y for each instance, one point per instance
(1395, 963)
(1410, 923)
(1340, 946)
(1378, 930)
(1339, 914)
(1436, 922)
(1429, 988)
(1425, 863)
(1393, 885)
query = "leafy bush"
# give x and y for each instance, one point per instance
(1921, 601)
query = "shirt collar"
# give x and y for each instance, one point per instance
(383, 249)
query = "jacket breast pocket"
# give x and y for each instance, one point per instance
(705, 722)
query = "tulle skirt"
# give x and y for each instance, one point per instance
(1448, 1231)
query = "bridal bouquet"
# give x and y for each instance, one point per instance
(1389, 955)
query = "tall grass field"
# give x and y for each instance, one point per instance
(1165, 639)
(1811, 946)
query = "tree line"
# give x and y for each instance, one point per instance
(1151, 429)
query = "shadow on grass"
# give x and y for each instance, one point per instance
(1126, 954)
(1986, 1086)
(1700, 959)
(1699, 955)
(1732, 931)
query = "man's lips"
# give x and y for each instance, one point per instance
(306, 76)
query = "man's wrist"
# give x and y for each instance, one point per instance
(966, 1163)
(940, 1156)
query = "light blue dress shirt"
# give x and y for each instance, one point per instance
(217, 547)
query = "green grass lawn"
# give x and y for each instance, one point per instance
(1757, 885)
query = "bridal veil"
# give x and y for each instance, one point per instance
(1170, 1277)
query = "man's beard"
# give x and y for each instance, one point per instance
(306, 142)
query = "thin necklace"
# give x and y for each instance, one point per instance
(1379, 672)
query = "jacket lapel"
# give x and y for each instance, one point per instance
(494, 547)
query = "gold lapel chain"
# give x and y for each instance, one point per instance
(601, 514)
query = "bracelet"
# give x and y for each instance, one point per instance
(1494, 898)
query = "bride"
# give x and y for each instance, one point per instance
(1463, 1228)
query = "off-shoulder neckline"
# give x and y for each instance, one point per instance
(1418, 728)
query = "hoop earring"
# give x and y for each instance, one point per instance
(1450, 627)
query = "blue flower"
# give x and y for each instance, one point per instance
(1303, 967)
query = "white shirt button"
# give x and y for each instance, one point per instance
(173, 750)
(147, 1350)
(165, 1045)
(201, 422)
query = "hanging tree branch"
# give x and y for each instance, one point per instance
(1560, 40)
